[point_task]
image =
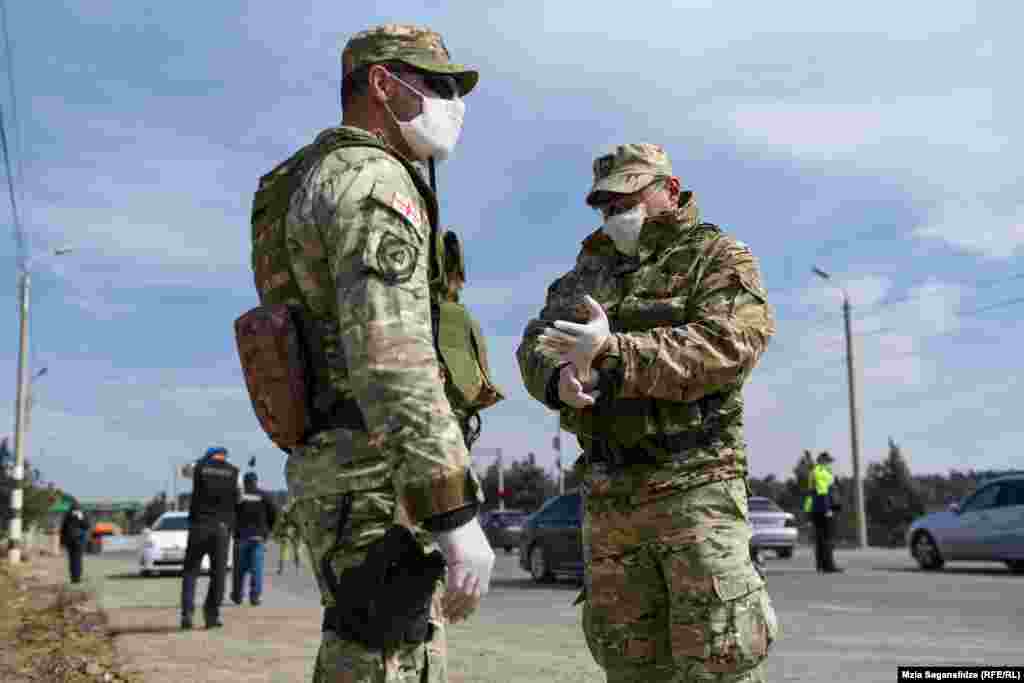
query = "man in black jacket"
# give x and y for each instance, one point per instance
(211, 516)
(74, 531)
(257, 515)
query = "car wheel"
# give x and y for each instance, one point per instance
(509, 548)
(1016, 566)
(539, 567)
(784, 553)
(145, 573)
(926, 552)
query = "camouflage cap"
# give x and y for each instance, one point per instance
(628, 169)
(416, 46)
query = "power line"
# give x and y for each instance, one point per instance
(15, 122)
(19, 235)
(981, 284)
(818, 323)
(1002, 304)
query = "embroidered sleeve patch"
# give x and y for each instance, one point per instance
(396, 259)
(407, 208)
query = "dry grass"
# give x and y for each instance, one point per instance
(58, 633)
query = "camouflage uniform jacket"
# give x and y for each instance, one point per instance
(690, 320)
(358, 230)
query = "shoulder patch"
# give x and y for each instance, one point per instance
(396, 196)
(396, 258)
(407, 208)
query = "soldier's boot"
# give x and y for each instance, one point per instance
(186, 622)
(213, 621)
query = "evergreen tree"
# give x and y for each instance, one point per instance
(892, 499)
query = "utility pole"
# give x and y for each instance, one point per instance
(851, 377)
(557, 443)
(501, 483)
(14, 554)
(174, 487)
(858, 482)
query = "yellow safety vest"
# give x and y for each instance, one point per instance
(819, 482)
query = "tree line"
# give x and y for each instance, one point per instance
(893, 496)
(37, 496)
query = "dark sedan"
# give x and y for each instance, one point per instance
(504, 528)
(552, 539)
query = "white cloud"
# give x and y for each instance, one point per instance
(977, 227)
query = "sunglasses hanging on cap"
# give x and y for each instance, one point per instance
(445, 87)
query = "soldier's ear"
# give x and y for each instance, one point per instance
(381, 84)
(674, 188)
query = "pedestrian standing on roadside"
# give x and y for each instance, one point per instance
(256, 515)
(211, 516)
(73, 533)
(821, 505)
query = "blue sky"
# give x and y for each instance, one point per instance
(880, 142)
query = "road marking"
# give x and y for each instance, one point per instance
(839, 608)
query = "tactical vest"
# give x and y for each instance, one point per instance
(297, 382)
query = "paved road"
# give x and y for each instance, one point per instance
(856, 626)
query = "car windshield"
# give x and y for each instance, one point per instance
(509, 518)
(171, 524)
(763, 505)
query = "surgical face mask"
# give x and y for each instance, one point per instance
(624, 228)
(436, 130)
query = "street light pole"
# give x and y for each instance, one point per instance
(14, 553)
(501, 483)
(557, 442)
(20, 419)
(851, 378)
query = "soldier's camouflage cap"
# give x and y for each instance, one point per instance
(415, 46)
(628, 169)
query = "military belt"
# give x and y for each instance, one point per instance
(652, 450)
(421, 631)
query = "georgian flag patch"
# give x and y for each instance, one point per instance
(407, 208)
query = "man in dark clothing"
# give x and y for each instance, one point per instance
(257, 515)
(74, 531)
(822, 507)
(211, 515)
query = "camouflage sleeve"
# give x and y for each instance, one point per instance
(380, 270)
(537, 367)
(729, 324)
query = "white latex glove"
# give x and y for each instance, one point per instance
(470, 561)
(572, 392)
(579, 344)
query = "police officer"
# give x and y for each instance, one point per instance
(822, 506)
(346, 233)
(644, 348)
(74, 531)
(256, 515)
(211, 516)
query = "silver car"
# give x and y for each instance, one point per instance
(988, 525)
(773, 527)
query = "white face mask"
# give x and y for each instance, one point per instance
(624, 228)
(436, 130)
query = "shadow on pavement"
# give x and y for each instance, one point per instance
(121, 576)
(955, 571)
(145, 628)
(528, 583)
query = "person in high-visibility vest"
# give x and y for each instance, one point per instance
(821, 506)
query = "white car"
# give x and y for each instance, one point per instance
(163, 546)
(987, 526)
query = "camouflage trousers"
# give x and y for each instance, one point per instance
(671, 591)
(315, 517)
